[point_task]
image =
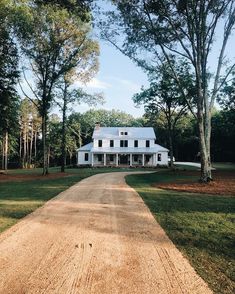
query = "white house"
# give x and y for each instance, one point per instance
(122, 146)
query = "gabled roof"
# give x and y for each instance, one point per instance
(132, 133)
(89, 148)
(145, 150)
(86, 147)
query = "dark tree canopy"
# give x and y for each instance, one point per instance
(80, 7)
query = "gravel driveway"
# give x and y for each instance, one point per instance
(96, 237)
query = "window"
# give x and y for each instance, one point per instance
(123, 143)
(99, 157)
(136, 143)
(136, 158)
(100, 143)
(111, 143)
(159, 157)
(111, 157)
(147, 143)
(123, 133)
(86, 156)
(148, 158)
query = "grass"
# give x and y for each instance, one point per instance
(200, 225)
(19, 198)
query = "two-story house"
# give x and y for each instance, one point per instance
(123, 146)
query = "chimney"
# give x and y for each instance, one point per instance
(97, 126)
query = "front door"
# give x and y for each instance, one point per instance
(123, 159)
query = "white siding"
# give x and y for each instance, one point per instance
(81, 157)
(164, 158)
(106, 143)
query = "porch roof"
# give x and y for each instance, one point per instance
(128, 150)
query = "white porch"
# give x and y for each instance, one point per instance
(125, 159)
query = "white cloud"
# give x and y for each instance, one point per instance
(129, 85)
(94, 84)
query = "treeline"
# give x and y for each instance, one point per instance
(26, 146)
(186, 140)
(26, 142)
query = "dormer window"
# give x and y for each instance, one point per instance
(124, 133)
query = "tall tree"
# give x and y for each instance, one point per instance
(187, 29)
(54, 47)
(8, 78)
(30, 126)
(69, 96)
(164, 97)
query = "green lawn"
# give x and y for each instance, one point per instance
(17, 199)
(201, 226)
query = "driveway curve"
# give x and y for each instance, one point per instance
(97, 237)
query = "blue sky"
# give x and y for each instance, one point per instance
(118, 78)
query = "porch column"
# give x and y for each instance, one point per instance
(130, 159)
(104, 159)
(117, 159)
(92, 159)
(143, 159)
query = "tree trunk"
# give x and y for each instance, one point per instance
(205, 168)
(35, 148)
(6, 151)
(208, 140)
(171, 149)
(20, 148)
(24, 149)
(3, 151)
(31, 145)
(63, 142)
(44, 143)
(170, 137)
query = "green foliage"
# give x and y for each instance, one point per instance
(56, 45)
(106, 118)
(223, 136)
(227, 96)
(9, 100)
(79, 7)
(201, 226)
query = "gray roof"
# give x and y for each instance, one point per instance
(133, 133)
(86, 147)
(89, 147)
(133, 150)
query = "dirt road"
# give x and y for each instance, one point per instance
(97, 237)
